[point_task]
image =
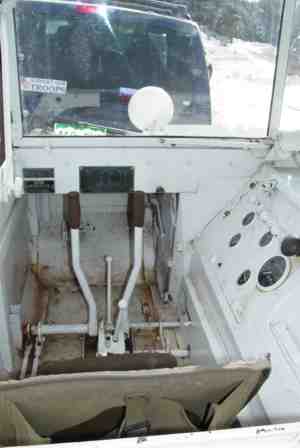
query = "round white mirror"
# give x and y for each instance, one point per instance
(151, 109)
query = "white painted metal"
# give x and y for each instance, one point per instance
(107, 344)
(92, 327)
(25, 360)
(190, 168)
(244, 320)
(150, 325)
(86, 291)
(41, 330)
(13, 266)
(109, 322)
(282, 65)
(278, 436)
(39, 344)
(122, 320)
(15, 324)
(142, 143)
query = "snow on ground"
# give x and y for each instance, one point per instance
(241, 87)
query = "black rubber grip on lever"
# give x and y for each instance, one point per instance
(73, 212)
(136, 209)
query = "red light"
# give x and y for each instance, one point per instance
(125, 94)
(86, 9)
(124, 99)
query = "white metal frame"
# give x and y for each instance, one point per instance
(86, 291)
(282, 66)
(122, 323)
(281, 436)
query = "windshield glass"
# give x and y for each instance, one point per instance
(81, 63)
(291, 110)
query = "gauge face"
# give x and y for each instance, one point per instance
(244, 277)
(273, 272)
(266, 239)
(248, 218)
(235, 240)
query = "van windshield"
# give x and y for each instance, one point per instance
(80, 64)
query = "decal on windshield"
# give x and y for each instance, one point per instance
(79, 129)
(42, 85)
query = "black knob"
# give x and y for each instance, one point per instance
(290, 246)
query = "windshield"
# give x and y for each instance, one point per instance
(81, 63)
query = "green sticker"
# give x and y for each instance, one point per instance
(79, 129)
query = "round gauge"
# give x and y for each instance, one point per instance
(266, 239)
(235, 240)
(244, 277)
(273, 273)
(248, 218)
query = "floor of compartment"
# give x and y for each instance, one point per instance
(66, 306)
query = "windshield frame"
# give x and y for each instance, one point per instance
(210, 137)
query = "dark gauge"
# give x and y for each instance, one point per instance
(272, 271)
(266, 239)
(235, 240)
(248, 218)
(244, 277)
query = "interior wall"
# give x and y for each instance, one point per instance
(14, 263)
(218, 184)
(236, 256)
(103, 231)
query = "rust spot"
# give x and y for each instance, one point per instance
(146, 340)
(148, 308)
(40, 297)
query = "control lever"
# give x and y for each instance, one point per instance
(290, 246)
(109, 323)
(136, 218)
(73, 219)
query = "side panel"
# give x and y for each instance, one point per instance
(13, 268)
(254, 285)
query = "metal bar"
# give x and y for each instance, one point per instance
(156, 205)
(150, 325)
(203, 142)
(286, 30)
(87, 294)
(122, 321)
(109, 323)
(176, 353)
(39, 344)
(44, 329)
(25, 361)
